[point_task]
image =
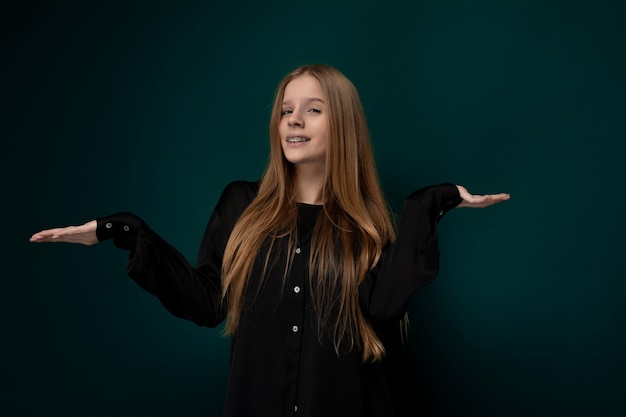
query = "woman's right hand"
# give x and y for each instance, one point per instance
(84, 234)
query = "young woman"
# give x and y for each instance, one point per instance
(304, 266)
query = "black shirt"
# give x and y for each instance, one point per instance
(279, 366)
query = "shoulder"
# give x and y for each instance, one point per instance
(236, 196)
(240, 190)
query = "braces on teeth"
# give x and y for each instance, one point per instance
(298, 140)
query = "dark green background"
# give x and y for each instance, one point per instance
(153, 106)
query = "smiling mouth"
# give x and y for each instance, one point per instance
(298, 139)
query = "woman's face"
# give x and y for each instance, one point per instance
(303, 124)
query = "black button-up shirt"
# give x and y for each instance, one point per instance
(280, 365)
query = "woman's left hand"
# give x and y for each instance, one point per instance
(480, 201)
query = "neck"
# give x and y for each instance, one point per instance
(309, 184)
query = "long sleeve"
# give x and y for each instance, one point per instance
(189, 292)
(412, 261)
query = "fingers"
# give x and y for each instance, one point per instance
(44, 235)
(52, 235)
(496, 198)
(481, 201)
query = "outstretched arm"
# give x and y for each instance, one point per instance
(412, 261)
(84, 234)
(480, 201)
(188, 292)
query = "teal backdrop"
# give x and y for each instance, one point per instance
(153, 106)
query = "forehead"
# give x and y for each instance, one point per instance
(303, 87)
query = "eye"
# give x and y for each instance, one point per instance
(315, 110)
(285, 112)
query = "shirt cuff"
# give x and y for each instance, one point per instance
(438, 199)
(123, 228)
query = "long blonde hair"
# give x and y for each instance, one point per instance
(350, 233)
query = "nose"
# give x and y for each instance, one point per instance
(295, 120)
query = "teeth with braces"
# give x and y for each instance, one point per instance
(297, 139)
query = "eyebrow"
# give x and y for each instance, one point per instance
(308, 100)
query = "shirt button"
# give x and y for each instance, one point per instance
(298, 251)
(296, 289)
(441, 212)
(294, 329)
(295, 408)
(108, 225)
(126, 228)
